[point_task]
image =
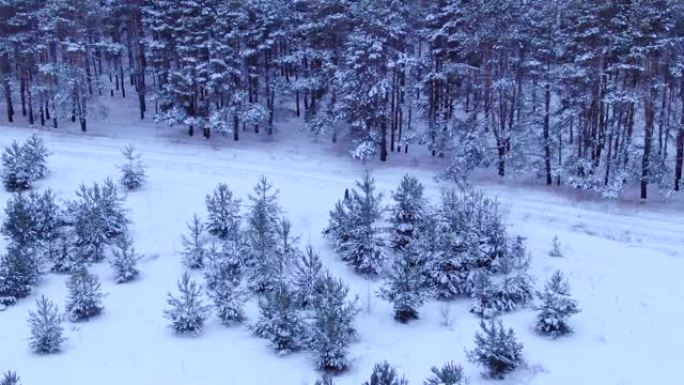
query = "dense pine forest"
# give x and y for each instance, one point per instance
(581, 93)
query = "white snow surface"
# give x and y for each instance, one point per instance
(624, 263)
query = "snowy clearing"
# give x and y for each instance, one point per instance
(623, 263)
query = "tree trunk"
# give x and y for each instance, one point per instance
(649, 117)
(547, 144)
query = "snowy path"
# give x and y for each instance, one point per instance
(624, 264)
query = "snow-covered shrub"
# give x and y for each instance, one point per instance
(46, 327)
(384, 374)
(194, 244)
(496, 349)
(449, 374)
(84, 300)
(556, 307)
(187, 312)
(224, 213)
(331, 328)
(133, 171)
(124, 260)
(280, 320)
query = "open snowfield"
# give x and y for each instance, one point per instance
(624, 263)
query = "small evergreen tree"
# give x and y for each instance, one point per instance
(10, 378)
(407, 213)
(224, 213)
(16, 168)
(36, 155)
(19, 271)
(449, 374)
(133, 170)
(280, 321)
(31, 219)
(353, 228)
(46, 327)
(262, 235)
(556, 307)
(384, 374)
(187, 312)
(84, 300)
(64, 256)
(407, 285)
(496, 349)
(556, 248)
(125, 260)
(20, 221)
(331, 329)
(194, 245)
(513, 293)
(339, 226)
(223, 278)
(97, 217)
(307, 271)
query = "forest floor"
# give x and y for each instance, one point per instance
(624, 262)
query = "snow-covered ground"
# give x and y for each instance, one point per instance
(623, 261)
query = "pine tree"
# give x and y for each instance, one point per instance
(10, 378)
(363, 248)
(85, 296)
(407, 213)
(48, 218)
(223, 278)
(65, 258)
(384, 374)
(16, 168)
(514, 292)
(280, 320)
(124, 260)
(331, 329)
(20, 221)
(407, 285)
(187, 312)
(36, 155)
(31, 219)
(194, 245)
(133, 171)
(263, 233)
(19, 271)
(46, 327)
(556, 307)
(497, 350)
(224, 213)
(339, 226)
(97, 216)
(307, 270)
(449, 374)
